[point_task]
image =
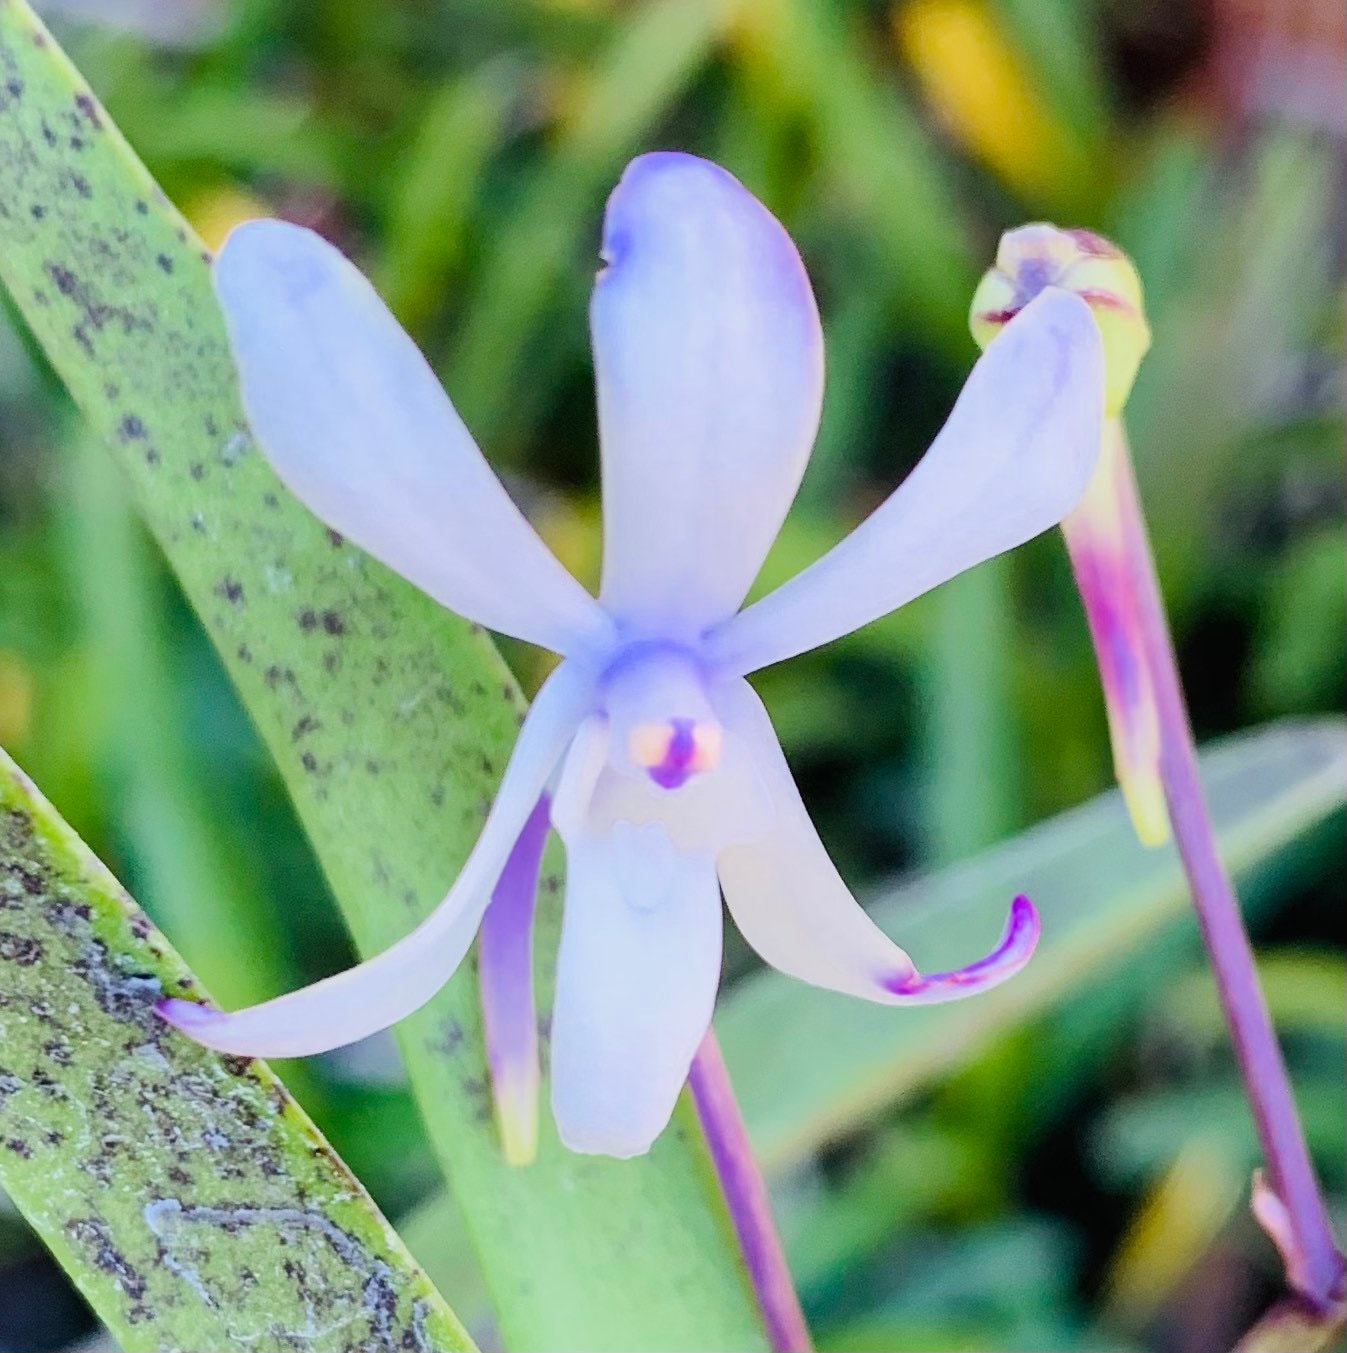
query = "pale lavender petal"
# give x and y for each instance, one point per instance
(636, 982)
(792, 906)
(709, 361)
(382, 990)
(356, 424)
(1013, 459)
(505, 977)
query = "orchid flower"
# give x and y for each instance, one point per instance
(653, 756)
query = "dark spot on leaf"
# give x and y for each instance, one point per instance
(304, 726)
(85, 103)
(231, 590)
(165, 263)
(333, 623)
(65, 280)
(96, 1236)
(308, 620)
(131, 427)
(197, 470)
(21, 949)
(38, 211)
(335, 538)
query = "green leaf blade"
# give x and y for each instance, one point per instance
(186, 1194)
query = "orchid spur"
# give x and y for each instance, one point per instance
(658, 763)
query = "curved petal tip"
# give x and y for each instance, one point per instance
(1013, 951)
(191, 1017)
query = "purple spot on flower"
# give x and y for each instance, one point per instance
(676, 768)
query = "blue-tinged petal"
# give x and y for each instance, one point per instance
(382, 990)
(505, 977)
(1012, 461)
(637, 973)
(709, 361)
(791, 905)
(355, 423)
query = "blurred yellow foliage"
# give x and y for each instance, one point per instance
(216, 211)
(979, 88)
(16, 698)
(1177, 1222)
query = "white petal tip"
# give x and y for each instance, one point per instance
(272, 254)
(201, 1023)
(615, 1145)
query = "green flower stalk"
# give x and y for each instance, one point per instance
(1153, 746)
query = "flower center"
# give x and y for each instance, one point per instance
(673, 751)
(661, 718)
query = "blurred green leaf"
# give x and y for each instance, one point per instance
(873, 152)
(1303, 988)
(651, 56)
(389, 719)
(185, 1193)
(810, 1065)
(1298, 662)
(1139, 1136)
(436, 188)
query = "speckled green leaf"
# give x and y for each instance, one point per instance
(389, 718)
(185, 1193)
(809, 1065)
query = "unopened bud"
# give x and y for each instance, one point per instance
(1038, 256)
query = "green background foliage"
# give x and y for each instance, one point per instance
(1062, 1165)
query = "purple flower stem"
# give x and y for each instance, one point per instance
(746, 1197)
(1314, 1267)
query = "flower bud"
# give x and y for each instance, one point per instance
(1038, 256)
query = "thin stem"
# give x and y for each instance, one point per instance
(1314, 1266)
(747, 1199)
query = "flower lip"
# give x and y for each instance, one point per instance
(655, 697)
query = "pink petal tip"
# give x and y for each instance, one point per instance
(1015, 949)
